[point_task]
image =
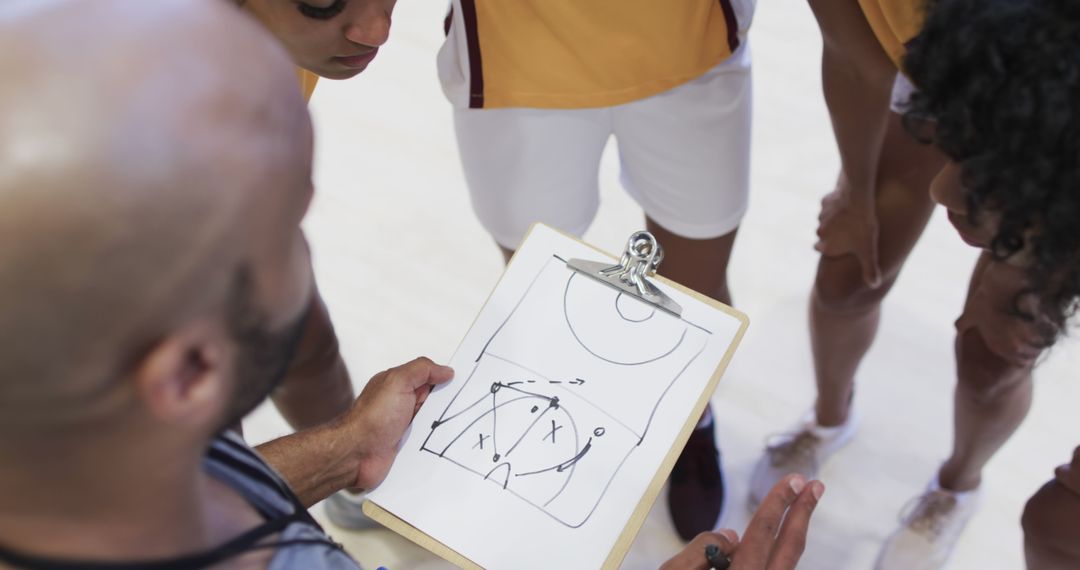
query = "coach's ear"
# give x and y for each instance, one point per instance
(183, 379)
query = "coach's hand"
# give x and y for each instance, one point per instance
(772, 540)
(386, 406)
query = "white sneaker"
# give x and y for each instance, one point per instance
(801, 450)
(346, 511)
(929, 530)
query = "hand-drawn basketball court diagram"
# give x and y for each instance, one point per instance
(551, 429)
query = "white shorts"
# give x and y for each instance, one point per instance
(684, 156)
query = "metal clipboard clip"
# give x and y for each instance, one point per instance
(639, 262)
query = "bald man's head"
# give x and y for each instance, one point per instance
(154, 167)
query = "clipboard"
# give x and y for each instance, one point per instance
(634, 274)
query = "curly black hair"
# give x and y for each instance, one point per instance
(999, 93)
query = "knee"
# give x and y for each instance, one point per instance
(1049, 521)
(984, 375)
(840, 288)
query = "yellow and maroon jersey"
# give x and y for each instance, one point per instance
(895, 23)
(582, 53)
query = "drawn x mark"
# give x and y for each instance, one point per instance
(551, 434)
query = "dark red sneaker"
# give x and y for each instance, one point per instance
(696, 487)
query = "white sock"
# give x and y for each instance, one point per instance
(827, 432)
(961, 496)
(821, 431)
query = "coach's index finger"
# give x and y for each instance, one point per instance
(757, 542)
(792, 540)
(423, 371)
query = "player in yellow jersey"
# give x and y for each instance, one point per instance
(540, 86)
(336, 39)
(994, 85)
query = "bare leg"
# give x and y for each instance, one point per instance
(700, 264)
(316, 388)
(844, 310)
(992, 399)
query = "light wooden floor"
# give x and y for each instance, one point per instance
(405, 267)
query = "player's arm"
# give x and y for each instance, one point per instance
(356, 450)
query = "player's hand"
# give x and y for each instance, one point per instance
(383, 411)
(848, 225)
(991, 309)
(774, 539)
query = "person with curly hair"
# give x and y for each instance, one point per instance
(994, 87)
(999, 94)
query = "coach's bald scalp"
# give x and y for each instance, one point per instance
(136, 140)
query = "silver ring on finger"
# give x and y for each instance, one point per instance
(717, 558)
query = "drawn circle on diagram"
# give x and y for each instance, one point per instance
(617, 328)
(632, 309)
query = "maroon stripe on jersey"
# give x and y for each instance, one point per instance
(472, 39)
(732, 25)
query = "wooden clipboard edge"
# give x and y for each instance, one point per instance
(417, 536)
(637, 518)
